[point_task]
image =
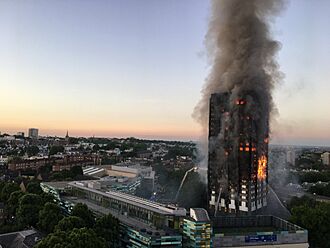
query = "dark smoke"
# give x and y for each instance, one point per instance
(242, 56)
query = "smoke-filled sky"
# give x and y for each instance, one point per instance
(136, 68)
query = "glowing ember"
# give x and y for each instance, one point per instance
(262, 166)
(240, 102)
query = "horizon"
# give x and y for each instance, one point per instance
(84, 67)
(159, 138)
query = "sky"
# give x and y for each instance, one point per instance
(136, 68)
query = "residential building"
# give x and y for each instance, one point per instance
(197, 229)
(326, 158)
(33, 133)
(291, 157)
(28, 164)
(237, 158)
(68, 161)
(59, 163)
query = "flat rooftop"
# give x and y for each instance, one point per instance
(245, 230)
(134, 200)
(250, 225)
(61, 185)
(199, 214)
(138, 225)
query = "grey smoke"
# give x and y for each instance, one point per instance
(241, 53)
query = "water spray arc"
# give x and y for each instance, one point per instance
(182, 182)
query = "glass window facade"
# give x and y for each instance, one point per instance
(197, 234)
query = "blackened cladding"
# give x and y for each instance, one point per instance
(237, 158)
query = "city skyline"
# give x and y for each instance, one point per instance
(126, 69)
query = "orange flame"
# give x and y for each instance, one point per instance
(262, 164)
(240, 102)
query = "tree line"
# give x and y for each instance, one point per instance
(31, 207)
(313, 216)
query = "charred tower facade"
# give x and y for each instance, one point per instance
(237, 156)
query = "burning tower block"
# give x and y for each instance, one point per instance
(238, 155)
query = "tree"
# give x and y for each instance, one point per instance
(34, 188)
(173, 152)
(2, 184)
(96, 147)
(316, 220)
(108, 228)
(62, 175)
(13, 202)
(321, 189)
(76, 171)
(68, 223)
(76, 238)
(73, 140)
(28, 209)
(7, 189)
(55, 240)
(112, 145)
(81, 210)
(300, 201)
(84, 237)
(56, 149)
(32, 151)
(49, 216)
(21, 152)
(46, 197)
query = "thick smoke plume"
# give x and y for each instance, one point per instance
(242, 57)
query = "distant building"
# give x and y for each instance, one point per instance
(291, 157)
(67, 162)
(131, 170)
(21, 134)
(27, 164)
(144, 154)
(60, 163)
(33, 133)
(326, 158)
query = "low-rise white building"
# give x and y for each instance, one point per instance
(291, 156)
(326, 158)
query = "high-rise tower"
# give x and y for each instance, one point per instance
(33, 133)
(238, 155)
